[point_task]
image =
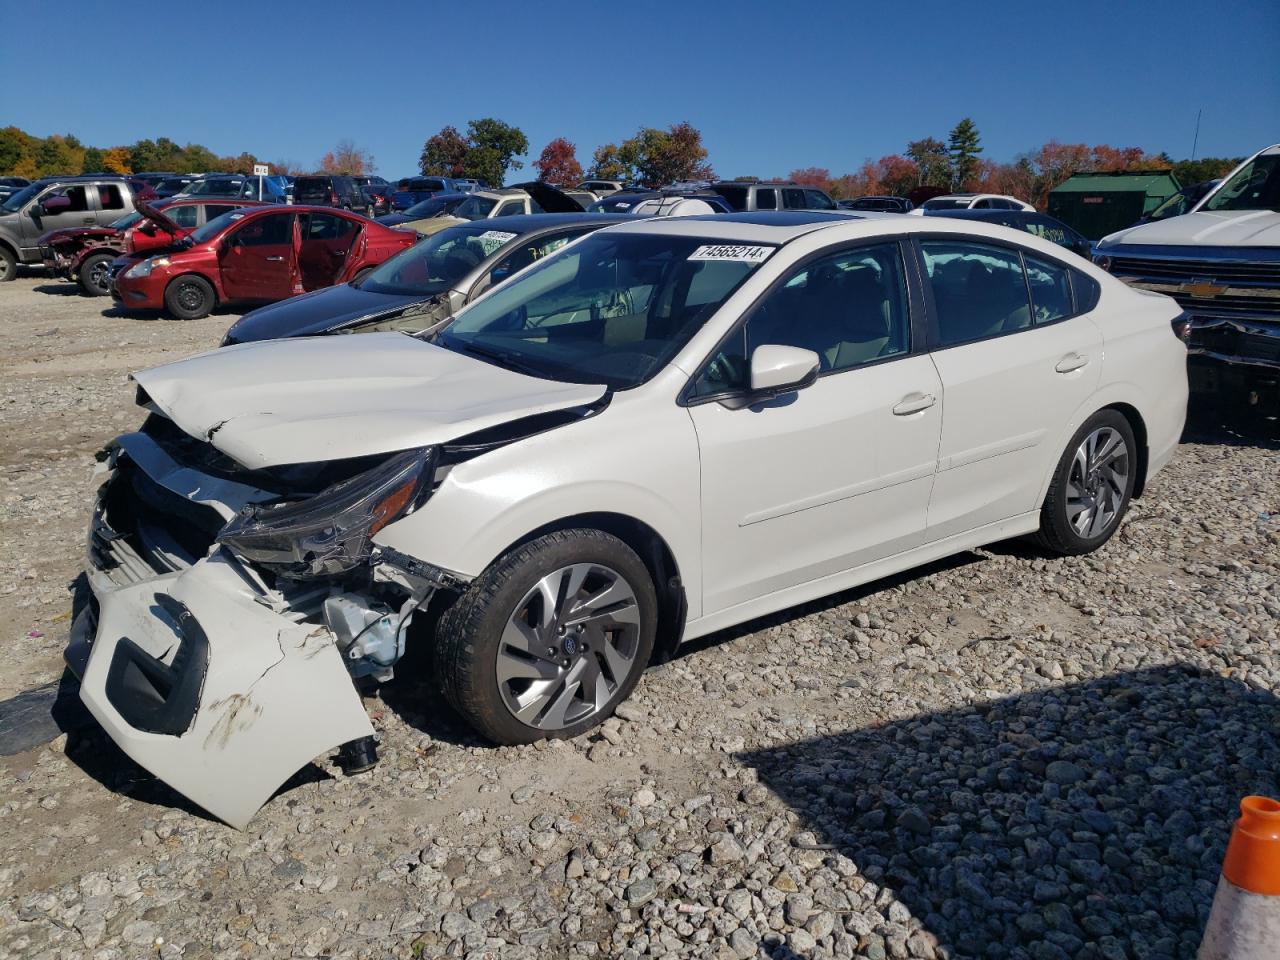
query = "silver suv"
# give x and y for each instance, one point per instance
(772, 195)
(56, 203)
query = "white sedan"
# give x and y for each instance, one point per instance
(662, 430)
(972, 201)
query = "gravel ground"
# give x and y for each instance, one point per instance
(997, 756)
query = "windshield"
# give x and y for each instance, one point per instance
(1256, 186)
(611, 308)
(216, 226)
(474, 208)
(948, 203)
(426, 208)
(437, 263)
(125, 222)
(19, 199)
(214, 188)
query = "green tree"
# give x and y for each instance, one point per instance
(444, 154)
(95, 158)
(494, 146)
(930, 156)
(963, 147)
(15, 144)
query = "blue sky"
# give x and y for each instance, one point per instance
(772, 86)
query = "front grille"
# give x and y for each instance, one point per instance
(1177, 270)
(1266, 301)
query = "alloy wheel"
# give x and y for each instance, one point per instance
(570, 643)
(100, 276)
(1097, 482)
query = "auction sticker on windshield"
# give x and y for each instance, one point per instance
(733, 252)
(499, 235)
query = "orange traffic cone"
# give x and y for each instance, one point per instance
(1244, 923)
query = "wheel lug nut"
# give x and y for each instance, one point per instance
(551, 651)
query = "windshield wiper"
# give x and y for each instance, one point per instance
(502, 359)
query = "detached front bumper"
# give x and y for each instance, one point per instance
(199, 670)
(219, 696)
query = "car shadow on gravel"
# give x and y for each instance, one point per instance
(66, 289)
(1079, 821)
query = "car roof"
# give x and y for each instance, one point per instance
(784, 227)
(83, 178)
(529, 222)
(985, 214)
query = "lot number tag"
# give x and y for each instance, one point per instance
(733, 252)
(500, 235)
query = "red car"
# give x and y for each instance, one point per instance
(84, 254)
(260, 254)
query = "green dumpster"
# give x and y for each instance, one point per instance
(1097, 204)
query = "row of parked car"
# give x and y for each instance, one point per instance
(208, 245)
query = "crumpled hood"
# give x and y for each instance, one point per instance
(315, 312)
(1218, 228)
(329, 398)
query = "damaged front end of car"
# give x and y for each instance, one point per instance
(234, 609)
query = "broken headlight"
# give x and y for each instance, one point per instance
(331, 533)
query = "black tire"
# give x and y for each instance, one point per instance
(94, 275)
(190, 297)
(1057, 534)
(8, 266)
(467, 641)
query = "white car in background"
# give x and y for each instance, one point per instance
(971, 201)
(664, 429)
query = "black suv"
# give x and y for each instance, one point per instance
(329, 191)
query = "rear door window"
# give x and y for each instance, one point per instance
(109, 197)
(979, 291)
(766, 198)
(1050, 290)
(184, 216)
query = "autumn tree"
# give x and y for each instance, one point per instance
(897, 175)
(116, 160)
(607, 163)
(654, 157)
(558, 164)
(347, 158)
(444, 154)
(819, 177)
(932, 161)
(963, 146)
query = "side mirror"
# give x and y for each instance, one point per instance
(148, 228)
(777, 369)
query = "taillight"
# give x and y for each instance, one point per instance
(333, 196)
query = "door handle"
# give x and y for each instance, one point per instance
(87, 220)
(913, 403)
(1072, 361)
(275, 259)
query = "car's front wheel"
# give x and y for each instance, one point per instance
(550, 638)
(1091, 486)
(190, 297)
(94, 275)
(8, 266)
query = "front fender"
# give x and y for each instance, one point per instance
(631, 460)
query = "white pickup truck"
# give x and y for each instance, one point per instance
(1221, 262)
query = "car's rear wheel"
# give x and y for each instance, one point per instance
(189, 297)
(1091, 486)
(8, 266)
(94, 275)
(550, 638)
